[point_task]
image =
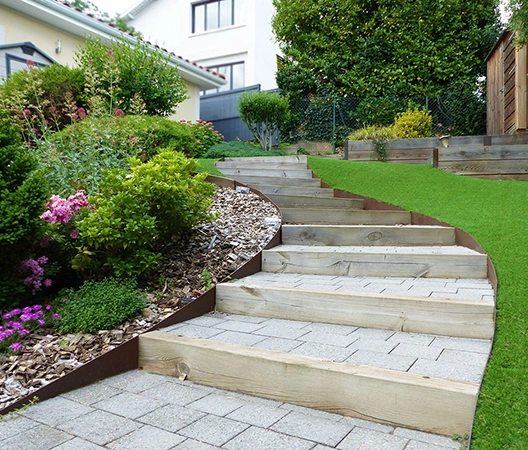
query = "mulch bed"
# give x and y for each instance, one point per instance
(189, 267)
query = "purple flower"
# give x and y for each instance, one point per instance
(48, 307)
(55, 316)
(74, 234)
(48, 282)
(15, 346)
(41, 322)
(23, 332)
(37, 307)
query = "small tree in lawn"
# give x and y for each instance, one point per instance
(263, 113)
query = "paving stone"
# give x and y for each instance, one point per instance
(296, 324)
(417, 351)
(213, 430)
(363, 439)
(375, 345)
(429, 438)
(323, 337)
(235, 337)
(130, 405)
(134, 381)
(176, 393)
(417, 445)
(281, 331)
(55, 411)
(278, 344)
(371, 333)
(209, 320)
(93, 393)
(258, 438)
(313, 428)
(78, 444)
(40, 437)
(471, 374)
(462, 357)
(258, 414)
(411, 338)
(13, 425)
(323, 351)
(147, 438)
(191, 444)
(312, 412)
(331, 328)
(382, 428)
(193, 331)
(236, 325)
(469, 345)
(171, 417)
(219, 405)
(99, 427)
(382, 360)
(252, 399)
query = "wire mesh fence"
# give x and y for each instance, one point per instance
(333, 118)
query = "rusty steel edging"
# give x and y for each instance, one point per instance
(125, 356)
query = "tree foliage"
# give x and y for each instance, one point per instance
(263, 113)
(385, 47)
(519, 20)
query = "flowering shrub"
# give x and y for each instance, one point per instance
(61, 210)
(20, 322)
(206, 136)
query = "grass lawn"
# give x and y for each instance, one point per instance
(495, 213)
(208, 165)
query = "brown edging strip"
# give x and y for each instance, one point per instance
(125, 356)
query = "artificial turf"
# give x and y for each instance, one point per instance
(495, 213)
(208, 165)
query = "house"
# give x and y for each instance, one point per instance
(233, 37)
(507, 90)
(48, 31)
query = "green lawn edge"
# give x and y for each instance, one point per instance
(495, 213)
(208, 165)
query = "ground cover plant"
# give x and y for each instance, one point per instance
(235, 149)
(494, 212)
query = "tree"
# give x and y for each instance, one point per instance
(263, 113)
(519, 20)
(385, 47)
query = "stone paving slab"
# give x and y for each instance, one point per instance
(192, 417)
(452, 358)
(460, 289)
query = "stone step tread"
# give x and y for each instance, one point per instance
(449, 358)
(263, 165)
(261, 179)
(283, 200)
(477, 289)
(294, 190)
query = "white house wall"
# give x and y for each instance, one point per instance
(168, 23)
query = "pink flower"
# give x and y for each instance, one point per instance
(81, 112)
(26, 113)
(119, 113)
(48, 282)
(74, 234)
(15, 346)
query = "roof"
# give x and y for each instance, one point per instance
(74, 21)
(136, 8)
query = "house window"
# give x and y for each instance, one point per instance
(211, 15)
(234, 75)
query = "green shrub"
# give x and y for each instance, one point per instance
(380, 111)
(23, 193)
(413, 123)
(236, 149)
(263, 113)
(99, 305)
(379, 136)
(130, 77)
(134, 210)
(43, 100)
(76, 157)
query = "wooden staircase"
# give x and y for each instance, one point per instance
(358, 312)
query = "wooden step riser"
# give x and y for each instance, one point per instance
(295, 201)
(289, 190)
(258, 172)
(445, 317)
(278, 181)
(227, 165)
(263, 160)
(399, 399)
(344, 217)
(374, 265)
(366, 235)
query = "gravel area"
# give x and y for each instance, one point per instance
(188, 268)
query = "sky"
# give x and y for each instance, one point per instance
(114, 6)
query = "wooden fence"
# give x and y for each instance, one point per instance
(498, 157)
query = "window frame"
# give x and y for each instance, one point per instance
(209, 3)
(217, 67)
